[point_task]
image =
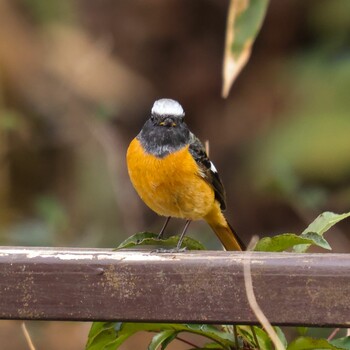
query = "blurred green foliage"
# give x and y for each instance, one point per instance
(68, 148)
(10, 120)
(46, 12)
(63, 180)
(247, 25)
(310, 144)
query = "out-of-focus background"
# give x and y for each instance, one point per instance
(78, 80)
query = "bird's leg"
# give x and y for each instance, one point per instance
(179, 243)
(163, 228)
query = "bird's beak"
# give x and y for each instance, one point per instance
(168, 122)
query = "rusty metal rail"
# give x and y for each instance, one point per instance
(206, 287)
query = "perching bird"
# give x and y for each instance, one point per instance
(171, 172)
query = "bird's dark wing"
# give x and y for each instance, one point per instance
(207, 169)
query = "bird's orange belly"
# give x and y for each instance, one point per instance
(170, 186)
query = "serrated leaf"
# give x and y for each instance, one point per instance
(243, 24)
(325, 221)
(160, 338)
(280, 243)
(286, 241)
(341, 343)
(136, 239)
(150, 239)
(307, 343)
(320, 225)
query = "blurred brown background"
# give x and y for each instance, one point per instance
(78, 80)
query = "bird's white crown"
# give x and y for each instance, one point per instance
(167, 106)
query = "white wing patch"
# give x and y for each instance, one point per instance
(166, 106)
(201, 173)
(212, 167)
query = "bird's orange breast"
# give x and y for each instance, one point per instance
(170, 186)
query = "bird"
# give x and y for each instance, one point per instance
(170, 170)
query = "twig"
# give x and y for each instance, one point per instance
(27, 336)
(207, 147)
(248, 282)
(333, 334)
(235, 333)
(188, 342)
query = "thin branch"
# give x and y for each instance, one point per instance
(333, 334)
(27, 336)
(235, 333)
(187, 342)
(248, 282)
(207, 147)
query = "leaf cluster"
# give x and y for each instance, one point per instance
(110, 335)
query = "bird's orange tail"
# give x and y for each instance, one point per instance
(226, 234)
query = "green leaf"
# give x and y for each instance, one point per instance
(307, 343)
(244, 20)
(279, 243)
(312, 235)
(161, 338)
(302, 330)
(137, 239)
(341, 343)
(101, 334)
(167, 341)
(281, 335)
(110, 335)
(319, 226)
(324, 222)
(317, 240)
(285, 241)
(150, 239)
(264, 340)
(211, 332)
(213, 346)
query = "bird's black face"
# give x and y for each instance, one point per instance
(167, 121)
(165, 131)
